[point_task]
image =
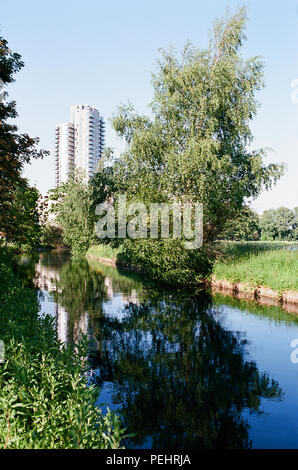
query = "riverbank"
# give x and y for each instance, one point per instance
(266, 272)
(267, 264)
(264, 295)
(109, 256)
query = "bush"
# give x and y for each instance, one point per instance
(168, 260)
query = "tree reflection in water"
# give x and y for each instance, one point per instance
(183, 380)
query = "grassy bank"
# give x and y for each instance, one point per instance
(44, 398)
(163, 260)
(104, 251)
(270, 264)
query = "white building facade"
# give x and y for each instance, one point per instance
(79, 143)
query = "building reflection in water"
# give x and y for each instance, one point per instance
(54, 279)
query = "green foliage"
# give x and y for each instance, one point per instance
(45, 400)
(294, 233)
(52, 235)
(103, 184)
(74, 214)
(25, 230)
(279, 224)
(168, 260)
(196, 144)
(273, 314)
(243, 226)
(274, 224)
(236, 250)
(15, 151)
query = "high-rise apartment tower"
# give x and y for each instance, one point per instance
(79, 143)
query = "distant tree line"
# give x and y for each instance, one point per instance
(272, 224)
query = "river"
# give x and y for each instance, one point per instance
(185, 370)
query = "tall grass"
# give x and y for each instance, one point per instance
(241, 249)
(45, 400)
(271, 264)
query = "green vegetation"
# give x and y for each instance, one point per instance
(104, 251)
(123, 279)
(233, 249)
(165, 350)
(245, 225)
(52, 236)
(17, 199)
(25, 232)
(44, 398)
(193, 148)
(74, 214)
(166, 261)
(271, 265)
(279, 224)
(274, 224)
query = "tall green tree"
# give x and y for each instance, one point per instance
(278, 224)
(196, 144)
(244, 225)
(26, 229)
(15, 149)
(73, 209)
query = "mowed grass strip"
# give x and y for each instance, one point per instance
(277, 269)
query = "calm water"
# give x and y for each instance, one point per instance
(186, 371)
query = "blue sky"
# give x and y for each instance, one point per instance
(103, 53)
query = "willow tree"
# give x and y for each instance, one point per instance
(197, 142)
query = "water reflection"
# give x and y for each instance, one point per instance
(182, 379)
